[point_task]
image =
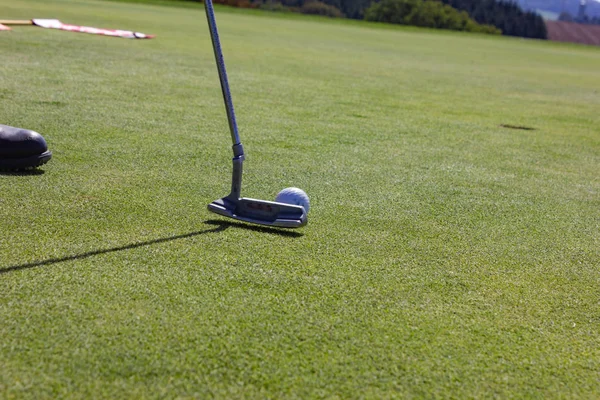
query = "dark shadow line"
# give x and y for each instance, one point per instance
(27, 172)
(523, 128)
(221, 227)
(257, 228)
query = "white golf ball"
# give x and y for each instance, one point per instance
(294, 196)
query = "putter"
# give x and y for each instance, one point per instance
(261, 212)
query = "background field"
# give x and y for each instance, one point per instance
(445, 256)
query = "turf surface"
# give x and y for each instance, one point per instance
(445, 256)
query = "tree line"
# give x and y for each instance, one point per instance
(504, 15)
(487, 16)
(431, 14)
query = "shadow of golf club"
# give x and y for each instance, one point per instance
(256, 228)
(220, 227)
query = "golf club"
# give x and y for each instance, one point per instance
(254, 211)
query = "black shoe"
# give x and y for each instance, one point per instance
(22, 149)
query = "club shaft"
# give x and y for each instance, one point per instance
(214, 35)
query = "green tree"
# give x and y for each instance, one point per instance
(432, 14)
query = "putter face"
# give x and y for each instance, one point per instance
(260, 212)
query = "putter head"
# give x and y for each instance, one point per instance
(261, 212)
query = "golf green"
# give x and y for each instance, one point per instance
(449, 253)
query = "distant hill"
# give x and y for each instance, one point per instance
(556, 6)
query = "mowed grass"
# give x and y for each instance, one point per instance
(445, 256)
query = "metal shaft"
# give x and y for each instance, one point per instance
(214, 35)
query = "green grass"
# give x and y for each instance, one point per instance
(445, 256)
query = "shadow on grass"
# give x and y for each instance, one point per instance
(256, 228)
(50, 261)
(220, 226)
(29, 172)
(520, 127)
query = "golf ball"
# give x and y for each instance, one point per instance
(294, 196)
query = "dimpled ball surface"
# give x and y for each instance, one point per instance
(294, 196)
